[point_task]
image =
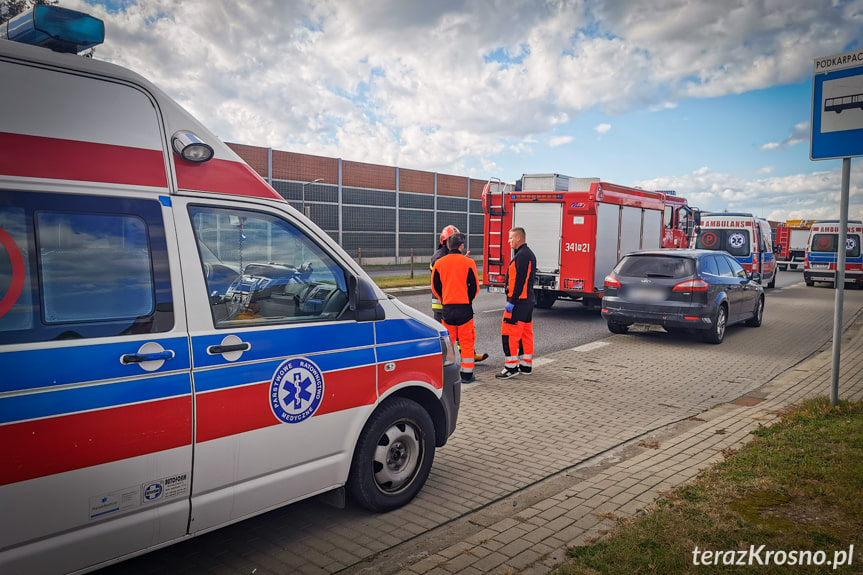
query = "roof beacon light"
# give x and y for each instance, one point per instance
(58, 29)
(190, 147)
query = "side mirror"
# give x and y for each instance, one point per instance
(364, 301)
(755, 276)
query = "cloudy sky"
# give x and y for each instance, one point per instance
(710, 98)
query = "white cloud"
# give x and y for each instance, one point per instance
(799, 134)
(603, 128)
(807, 196)
(450, 85)
(560, 141)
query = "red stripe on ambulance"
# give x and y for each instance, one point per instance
(54, 158)
(47, 446)
(247, 408)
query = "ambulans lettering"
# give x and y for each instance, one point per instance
(726, 224)
(296, 391)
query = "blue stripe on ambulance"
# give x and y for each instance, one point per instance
(37, 368)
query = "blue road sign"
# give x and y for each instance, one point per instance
(837, 107)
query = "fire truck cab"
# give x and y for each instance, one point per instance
(180, 349)
(578, 228)
(747, 238)
(822, 253)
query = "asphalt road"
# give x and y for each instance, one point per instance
(566, 325)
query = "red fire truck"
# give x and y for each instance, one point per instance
(791, 241)
(578, 228)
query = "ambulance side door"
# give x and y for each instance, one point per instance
(284, 374)
(95, 391)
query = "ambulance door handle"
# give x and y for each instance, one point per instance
(142, 357)
(217, 349)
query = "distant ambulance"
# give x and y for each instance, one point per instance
(180, 349)
(822, 253)
(744, 236)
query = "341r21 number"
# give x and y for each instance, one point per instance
(575, 247)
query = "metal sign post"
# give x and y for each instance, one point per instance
(837, 132)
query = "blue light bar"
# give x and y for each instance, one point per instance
(58, 29)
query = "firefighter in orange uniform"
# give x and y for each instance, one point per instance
(517, 326)
(455, 282)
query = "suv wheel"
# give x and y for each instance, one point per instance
(755, 320)
(615, 327)
(716, 333)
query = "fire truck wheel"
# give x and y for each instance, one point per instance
(545, 299)
(615, 327)
(393, 456)
(716, 333)
(755, 320)
(810, 283)
(782, 268)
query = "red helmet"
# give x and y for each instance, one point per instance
(447, 232)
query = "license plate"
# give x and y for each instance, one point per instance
(819, 266)
(495, 289)
(645, 294)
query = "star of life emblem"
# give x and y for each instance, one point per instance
(296, 390)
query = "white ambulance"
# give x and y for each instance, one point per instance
(822, 253)
(179, 348)
(747, 238)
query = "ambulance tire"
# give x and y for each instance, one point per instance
(619, 328)
(716, 333)
(393, 456)
(755, 320)
(772, 283)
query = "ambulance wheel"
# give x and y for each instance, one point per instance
(772, 283)
(615, 327)
(393, 456)
(716, 333)
(755, 320)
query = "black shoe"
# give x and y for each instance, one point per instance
(527, 370)
(468, 379)
(507, 373)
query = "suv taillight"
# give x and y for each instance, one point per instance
(611, 281)
(692, 285)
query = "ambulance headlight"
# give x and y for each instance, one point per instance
(447, 350)
(190, 147)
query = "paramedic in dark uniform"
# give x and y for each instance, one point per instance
(455, 283)
(517, 326)
(441, 251)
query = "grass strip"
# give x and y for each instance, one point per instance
(797, 486)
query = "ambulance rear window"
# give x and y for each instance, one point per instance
(828, 243)
(735, 242)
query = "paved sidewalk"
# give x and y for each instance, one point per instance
(534, 538)
(548, 461)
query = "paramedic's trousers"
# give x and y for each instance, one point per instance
(465, 334)
(517, 336)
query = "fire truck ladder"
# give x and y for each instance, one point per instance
(496, 211)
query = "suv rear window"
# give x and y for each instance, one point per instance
(653, 266)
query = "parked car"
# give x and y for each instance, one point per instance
(703, 290)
